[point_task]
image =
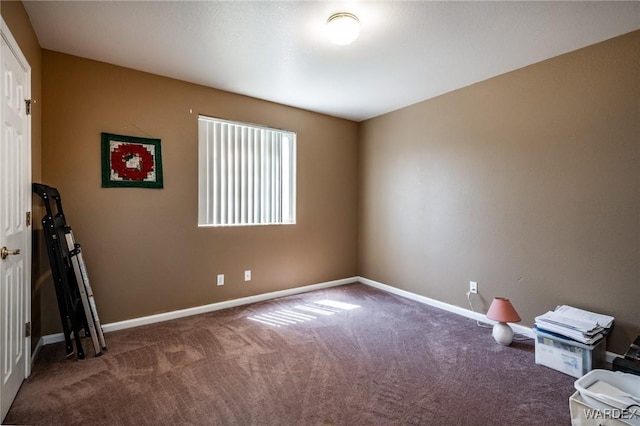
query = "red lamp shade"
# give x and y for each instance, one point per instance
(502, 310)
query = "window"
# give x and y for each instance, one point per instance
(246, 175)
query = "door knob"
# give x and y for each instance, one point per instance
(4, 252)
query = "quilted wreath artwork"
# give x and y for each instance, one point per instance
(130, 161)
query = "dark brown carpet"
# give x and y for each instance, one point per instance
(391, 361)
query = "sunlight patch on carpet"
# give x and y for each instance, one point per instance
(302, 313)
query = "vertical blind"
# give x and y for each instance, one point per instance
(246, 174)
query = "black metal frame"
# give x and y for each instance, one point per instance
(69, 303)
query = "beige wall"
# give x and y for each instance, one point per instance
(528, 183)
(19, 24)
(143, 249)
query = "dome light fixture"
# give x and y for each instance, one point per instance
(343, 28)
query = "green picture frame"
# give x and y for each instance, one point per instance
(130, 161)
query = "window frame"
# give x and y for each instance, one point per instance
(243, 177)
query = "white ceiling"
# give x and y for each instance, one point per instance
(278, 51)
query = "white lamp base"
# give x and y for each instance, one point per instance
(503, 333)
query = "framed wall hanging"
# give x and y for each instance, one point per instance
(129, 161)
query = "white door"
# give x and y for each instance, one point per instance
(15, 232)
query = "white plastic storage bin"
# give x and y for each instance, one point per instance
(614, 395)
(582, 414)
(568, 356)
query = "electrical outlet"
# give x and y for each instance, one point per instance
(247, 275)
(473, 287)
(220, 279)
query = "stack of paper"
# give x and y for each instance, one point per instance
(577, 324)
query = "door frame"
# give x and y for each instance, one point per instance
(15, 48)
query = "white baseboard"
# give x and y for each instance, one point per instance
(610, 356)
(166, 316)
(441, 305)
(527, 331)
(35, 352)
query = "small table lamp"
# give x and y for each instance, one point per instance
(502, 310)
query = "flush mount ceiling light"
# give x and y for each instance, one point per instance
(343, 28)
